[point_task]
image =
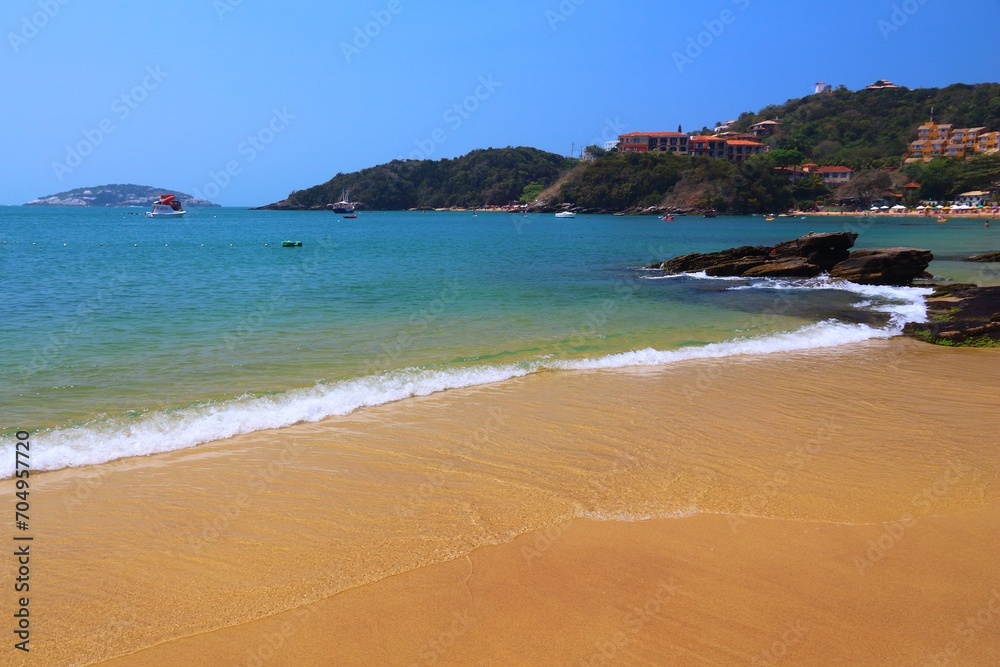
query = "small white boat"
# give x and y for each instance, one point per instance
(167, 207)
(566, 214)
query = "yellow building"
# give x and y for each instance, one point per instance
(988, 142)
(945, 140)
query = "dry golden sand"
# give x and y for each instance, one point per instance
(837, 507)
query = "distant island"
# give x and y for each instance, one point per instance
(884, 143)
(116, 195)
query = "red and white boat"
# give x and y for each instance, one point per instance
(167, 207)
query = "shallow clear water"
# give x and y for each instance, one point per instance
(123, 332)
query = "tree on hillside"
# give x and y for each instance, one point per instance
(531, 192)
(783, 157)
(937, 178)
(807, 191)
(866, 186)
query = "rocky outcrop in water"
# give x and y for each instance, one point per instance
(985, 257)
(889, 266)
(822, 250)
(806, 257)
(718, 263)
(961, 315)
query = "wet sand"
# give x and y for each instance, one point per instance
(694, 591)
(521, 523)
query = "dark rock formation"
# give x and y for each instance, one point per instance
(792, 267)
(889, 266)
(696, 261)
(822, 250)
(986, 257)
(961, 315)
(736, 267)
(806, 257)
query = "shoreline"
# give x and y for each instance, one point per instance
(230, 532)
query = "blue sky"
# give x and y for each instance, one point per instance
(246, 100)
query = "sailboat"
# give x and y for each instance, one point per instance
(344, 205)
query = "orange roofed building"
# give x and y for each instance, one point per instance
(646, 142)
(734, 150)
(738, 150)
(708, 146)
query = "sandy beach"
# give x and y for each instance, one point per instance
(828, 507)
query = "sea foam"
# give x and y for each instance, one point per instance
(107, 440)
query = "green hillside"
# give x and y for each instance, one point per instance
(873, 127)
(480, 178)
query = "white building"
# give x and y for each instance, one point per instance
(973, 198)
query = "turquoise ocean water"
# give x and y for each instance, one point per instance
(126, 336)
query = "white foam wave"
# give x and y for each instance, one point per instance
(824, 334)
(99, 442)
(903, 304)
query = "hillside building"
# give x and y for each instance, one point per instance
(945, 140)
(765, 128)
(645, 142)
(734, 147)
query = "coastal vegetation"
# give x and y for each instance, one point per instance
(872, 128)
(483, 177)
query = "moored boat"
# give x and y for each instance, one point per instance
(344, 205)
(566, 214)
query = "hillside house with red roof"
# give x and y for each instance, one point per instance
(835, 176)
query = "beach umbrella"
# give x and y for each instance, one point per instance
(873, 208)
(939, 206)
(921, 208)
(980, 206)
(885, 208)
(899, 207)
